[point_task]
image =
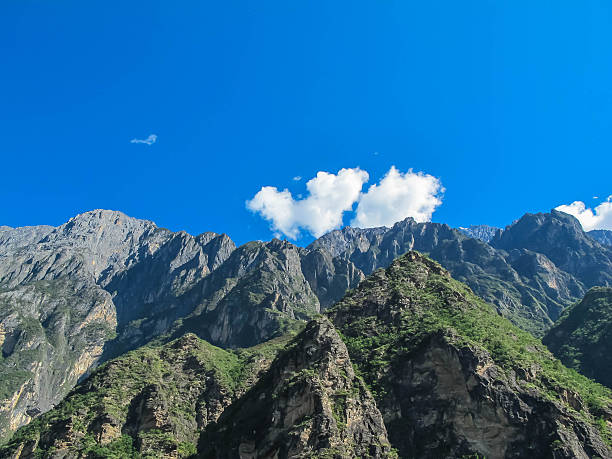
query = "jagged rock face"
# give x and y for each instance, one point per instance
(560, 237)
(483, 232)
(151, 295)
(582, 338)
(309, 404)
(51, 333)
(154, 400)
(11, 238)
(604, 237)
(259, 293)
(65, 290)
(152, 283)
(165, 284)
(410, 362)
(329, 277)
(524, 285)
(454, 379)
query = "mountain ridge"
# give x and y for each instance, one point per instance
(158, 285)
(410, 363)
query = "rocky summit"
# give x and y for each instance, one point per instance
(123, 339)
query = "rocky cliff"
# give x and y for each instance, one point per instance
(531, 271)
(483, 232)
(604, 237)
(67, 292)
(107, 283)
(582, 337)
(309, 404)
(152, 401)
(410, 363)
(454, 379)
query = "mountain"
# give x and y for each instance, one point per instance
(66, 292)
(582, 337)
(154, 400)
(524, 284)
(309, 404)
(483, 232)
(410, 363)
(604, 237)
(104, 283)
(452, 378)
(559, 236)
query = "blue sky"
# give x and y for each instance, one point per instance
(507, 103)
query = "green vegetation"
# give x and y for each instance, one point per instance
(394, 312)
(175, 374)
(582, 337)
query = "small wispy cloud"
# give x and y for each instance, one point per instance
(297, 178)
(149, 140)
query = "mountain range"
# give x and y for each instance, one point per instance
(213, 329)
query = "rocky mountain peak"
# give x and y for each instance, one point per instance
(483, 232)
(309, 404)
(561, 238)
(421, 340)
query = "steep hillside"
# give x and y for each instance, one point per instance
(452, 378)
(410, 363)
(483, 232)
(309, 404)
(582, 338)
(154, 400)
(560, 238)
(604, 237)
(66, 292)
(51, 332)
(104, 283)
(131, 282)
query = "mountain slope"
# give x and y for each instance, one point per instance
(582, 338)
(560, 237)
(452, 378)
(483, 232)
(525, 285)
(309, 404)
(411, 362)
(152, 284)
(129, 282)
(154, 400)
(61, 307)
(604, 237)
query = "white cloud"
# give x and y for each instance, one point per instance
(330, 195)
(397, 196)
(149, 140)
(590, 219)
(297, 178)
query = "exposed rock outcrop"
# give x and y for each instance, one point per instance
(530, 271)
(309, 404)
(454, 379)
(154, 400)
(409, 363)
(483, 232)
